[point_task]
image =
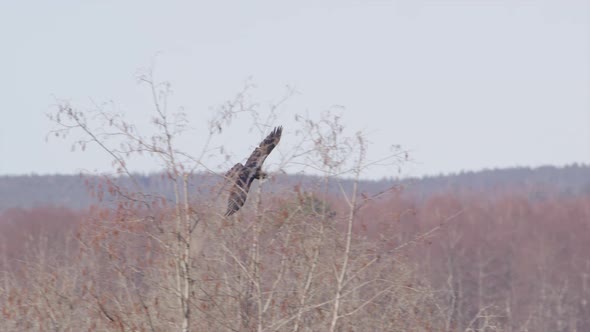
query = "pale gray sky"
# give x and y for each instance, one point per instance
(463, 85)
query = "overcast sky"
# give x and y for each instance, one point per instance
(463, 85)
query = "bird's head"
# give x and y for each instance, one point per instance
(262, 175)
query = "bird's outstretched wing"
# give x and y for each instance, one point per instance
(263, 150)
(237, 198)
(233, 173)
(237, 194)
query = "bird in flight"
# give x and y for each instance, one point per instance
(241, 176)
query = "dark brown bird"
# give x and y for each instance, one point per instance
(241, 176)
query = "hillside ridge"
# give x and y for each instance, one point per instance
(74, 191)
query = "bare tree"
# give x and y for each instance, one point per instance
(293, 258)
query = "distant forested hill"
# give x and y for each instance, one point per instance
(569, 180)
(75, 191)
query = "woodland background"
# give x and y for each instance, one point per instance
(513, 257)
